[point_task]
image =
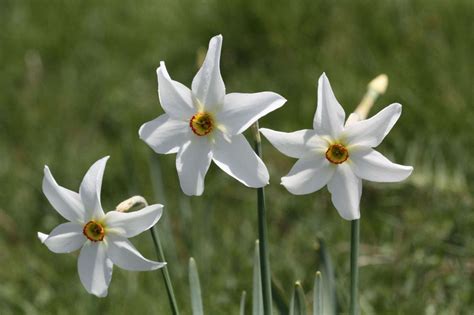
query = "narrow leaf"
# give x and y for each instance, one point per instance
(298, 304)
(195, 288)
(257, 295)
(242, 303)
(317, 295)
(328, 280)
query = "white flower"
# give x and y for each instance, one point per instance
(338, 155)
(204, 124)
(102, 237)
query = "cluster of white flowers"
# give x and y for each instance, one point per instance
(204, 124)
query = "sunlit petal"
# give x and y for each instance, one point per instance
(295, 144)
(95, 268)
(66, 202)
(243, 109)
(236, 158)
(90, 189)
(208, 86)
(126, 256)
(129, 224)
(65, 238)
(164, 134)
(346, 189)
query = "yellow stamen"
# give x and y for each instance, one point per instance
(337, 154)
(94, 231)
(201, 124)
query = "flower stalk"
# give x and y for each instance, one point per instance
(138, 202)
(262, 234)
(355, 236)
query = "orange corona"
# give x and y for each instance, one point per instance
(201, 124)
(337, 153)
(94, 231)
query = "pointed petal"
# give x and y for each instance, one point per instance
(353, 118)
(95, 269)
(192, 162)
(208, 86)
(237, 159)
(90, 190)
(242, 110)
(175, 98)
(164, 134)
(130, 224)
(329, 117)
(42, 237)
(372, 165)
(370, 132)
(126, 256)
(295, 144)
(65, 238)
(346, 189)
(308, 175)
(66, 202)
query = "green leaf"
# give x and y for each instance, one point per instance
(298, 304)
(328, 279)
(257, 295)
(242, 303)
(195, 287)
(317, 295)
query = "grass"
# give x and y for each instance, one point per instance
(78, 79)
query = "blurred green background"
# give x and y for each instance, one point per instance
(77, 79)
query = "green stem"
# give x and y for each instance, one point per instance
(262, 235)
(164, 271)
(355, 235)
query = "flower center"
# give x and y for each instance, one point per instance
(337, 153)
(94, 231)
(201, 123)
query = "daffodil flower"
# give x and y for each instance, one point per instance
(338, 155)
(205, 124)
(102, 237)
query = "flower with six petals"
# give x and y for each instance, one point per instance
(102, 237)
(204, 124)
(338, 155)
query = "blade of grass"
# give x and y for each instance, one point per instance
(195, 288)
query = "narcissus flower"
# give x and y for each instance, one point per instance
(102, 238)
(204, 124)
(338, 155)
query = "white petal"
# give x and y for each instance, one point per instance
(237, 159)
(90, 189)
(346, 189)
(370, 132)
(192, 163)
(308, 175)
(65, 238)
(95, 269)
(175, 98)
(329, 117)
(42, 237)
(164, 134)
(242, 110)
(208, 86)
(126, 256)
(129, 224)
(372, 165)
(353, 118)
(295, 144)
(66, 202)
